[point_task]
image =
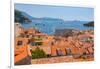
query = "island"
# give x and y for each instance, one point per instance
(90, 24)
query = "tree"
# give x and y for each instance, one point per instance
(38, 53)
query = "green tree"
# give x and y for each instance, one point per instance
(38, 53)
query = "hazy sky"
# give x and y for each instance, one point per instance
(66, 13)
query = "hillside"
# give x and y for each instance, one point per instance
(21, 17)
(90, 24)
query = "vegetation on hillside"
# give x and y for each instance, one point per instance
(38, 53)
(19, 17)
(90, 24)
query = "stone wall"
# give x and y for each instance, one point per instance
(59, 59)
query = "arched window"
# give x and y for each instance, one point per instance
(59, 52)
(68, 51)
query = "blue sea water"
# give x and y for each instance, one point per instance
(49, 27)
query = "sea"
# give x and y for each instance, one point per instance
(49, 27)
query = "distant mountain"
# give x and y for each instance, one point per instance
(89, 24)
(76, 21)
(47, 20)
(21, 17)
(28, 16)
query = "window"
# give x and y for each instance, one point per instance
(59, 52)
(38, 43)
(68, 51)
(28, 42)
(16, 54)
(19, 43)
(27, 36)
(52, 43)
(48, 55)
(32, 43)
(26, 32)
